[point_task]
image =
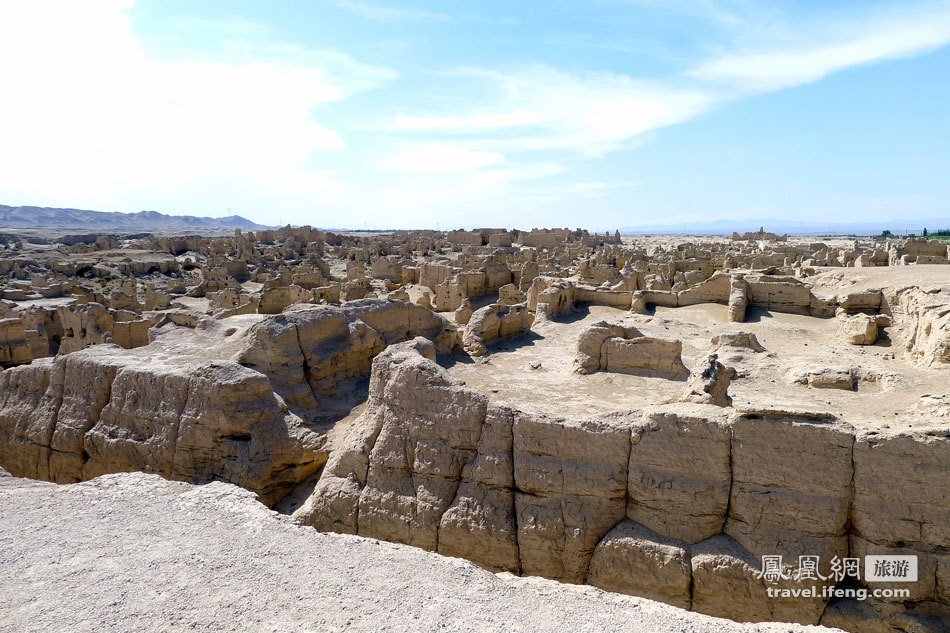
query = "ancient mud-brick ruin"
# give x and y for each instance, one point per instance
(648, 415)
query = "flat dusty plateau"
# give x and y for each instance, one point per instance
(134, 552)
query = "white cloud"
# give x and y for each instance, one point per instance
(87, 111)
(816, 57)
(479, 195)
(456, 123)
(437, 159)
(381, 13)
(542, 108)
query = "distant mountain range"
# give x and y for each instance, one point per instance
(51, 218)
(80, 219)
(793, 227)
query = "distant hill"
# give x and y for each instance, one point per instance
(51, 218)
(795, 227)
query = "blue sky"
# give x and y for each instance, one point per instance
(599, 114)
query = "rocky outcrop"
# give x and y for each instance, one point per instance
(494, 322)
(452, 473)
(309, 350)
(709, 384)
(861, 329)
(623, 348)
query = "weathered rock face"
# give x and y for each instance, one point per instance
(901, 505)
(679, 471)
(635, 560)
(571, 484)
(777, 505)
(480, 525)
(727, 582)
(334, 505)
(924, 318)
(430, 430)
(441, 472)
(895, 504)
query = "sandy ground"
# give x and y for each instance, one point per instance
(793, 343)
(133, 552)
(925, 275)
